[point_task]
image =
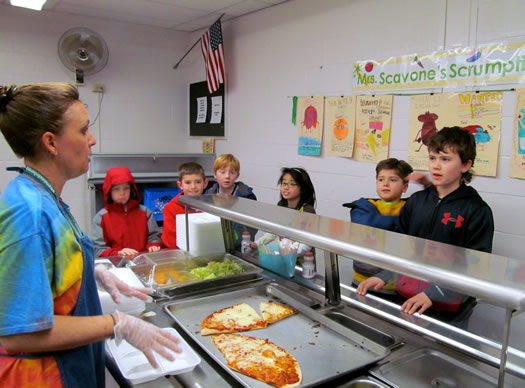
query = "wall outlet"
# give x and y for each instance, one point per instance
(97, 88)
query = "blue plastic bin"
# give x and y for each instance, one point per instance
(155, 198)
(270, 258)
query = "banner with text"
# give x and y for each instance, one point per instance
(467, 66)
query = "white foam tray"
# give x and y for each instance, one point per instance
(135, 367)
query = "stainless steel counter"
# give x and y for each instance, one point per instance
(488, 277)
(491, 278)
(479, 274)
(209, 374)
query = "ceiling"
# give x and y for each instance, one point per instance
(179, 15)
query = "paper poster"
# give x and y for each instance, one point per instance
(208, 146)
(372, 129)
(202, 108)
(428, 114)
(340, 125)
(517, 163)
(310, 116)
(478, 113)
(216, 110)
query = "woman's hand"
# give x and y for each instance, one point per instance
(374, 282)
(114, 286)
(146, 337)
(421, 301)
(128, 253)
(154, 248)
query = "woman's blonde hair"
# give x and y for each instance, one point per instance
(28, 111)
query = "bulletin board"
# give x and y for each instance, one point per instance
(198, 91)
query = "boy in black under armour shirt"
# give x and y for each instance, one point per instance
(448, 211)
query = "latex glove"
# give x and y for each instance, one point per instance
(115, 287)
(146, 338)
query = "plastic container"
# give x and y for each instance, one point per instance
(205, 233)
(308, 265)
(246, 241)
(155, 198)
(270, 258)
(135, 367)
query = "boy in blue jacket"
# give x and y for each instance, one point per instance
(226, 170)
(391, 182)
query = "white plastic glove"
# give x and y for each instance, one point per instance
(114, 286)
(146, 338)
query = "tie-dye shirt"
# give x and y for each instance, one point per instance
(40, 272)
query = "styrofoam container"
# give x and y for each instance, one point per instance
(205, 233)
(128, 305)
(135, 367)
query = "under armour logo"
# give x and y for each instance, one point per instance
(458, 221)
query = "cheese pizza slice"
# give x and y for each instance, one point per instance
(260, 359)
(239, 317)
(273, 312)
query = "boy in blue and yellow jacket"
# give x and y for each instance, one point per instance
(391, 182)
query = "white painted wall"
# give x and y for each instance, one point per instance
(307, 47)
(144, 108)
(303, 47)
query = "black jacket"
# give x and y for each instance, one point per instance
(461, 218)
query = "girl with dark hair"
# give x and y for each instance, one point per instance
(297, 192)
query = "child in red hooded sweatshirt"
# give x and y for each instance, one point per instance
(124, 226)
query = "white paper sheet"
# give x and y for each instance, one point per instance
(216, 110)
(202, 107)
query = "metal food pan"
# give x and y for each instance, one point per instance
(174, 277)
(431, 368)
(323, 348)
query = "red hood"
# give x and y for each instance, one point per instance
(115, 176)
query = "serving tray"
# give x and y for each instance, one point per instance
(323, 348)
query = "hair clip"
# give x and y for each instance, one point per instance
(6, 97)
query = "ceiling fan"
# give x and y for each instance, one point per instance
(82, 51)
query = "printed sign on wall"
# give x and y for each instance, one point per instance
(478, 113)
(310, 113)
(517, 164)
(340, 125)
(482, 65)
(372, 129)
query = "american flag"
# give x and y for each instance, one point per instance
(211, 46)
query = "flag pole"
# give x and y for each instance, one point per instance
(194, 44)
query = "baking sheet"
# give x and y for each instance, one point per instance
(322, 353)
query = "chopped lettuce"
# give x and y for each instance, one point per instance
(216, 269)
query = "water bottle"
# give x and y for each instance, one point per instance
(308, 265)
(245, 243)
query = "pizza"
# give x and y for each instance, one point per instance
(272, 312)
(239, 317)
(260, 359)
